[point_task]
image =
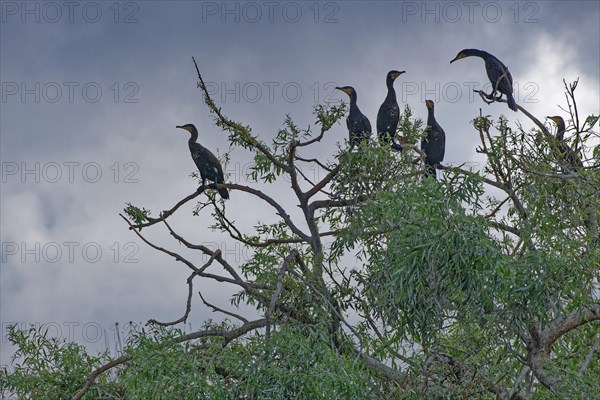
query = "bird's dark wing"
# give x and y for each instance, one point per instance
(207, 163)
(359, 127)
(213, 164)
(209, 166)
(440, 144)
(509, 79)
(387, 117)
(434, 144)
(197, 151)
(219, 170)
(495, 71)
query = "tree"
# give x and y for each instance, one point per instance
(483, 284)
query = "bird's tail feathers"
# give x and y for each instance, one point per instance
(512, 104)
(224, 193)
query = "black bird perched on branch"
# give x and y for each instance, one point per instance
(566, 153)
(208, 165)
(497, 72)
(359, 127)
(389, 113)
(434, 144)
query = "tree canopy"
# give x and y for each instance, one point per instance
(482, 284)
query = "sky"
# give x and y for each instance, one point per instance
(92, 91)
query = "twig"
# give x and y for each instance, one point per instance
(524, 111)
(314, 140)
(298, 170)
(165, 214)
(504, 227)
(172, 254)
(320, 185)
(497, 208)
(319, 163)
(280, 210)
(570, 175)
(218, 309)
(188, 305)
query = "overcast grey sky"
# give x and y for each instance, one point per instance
(92, 91)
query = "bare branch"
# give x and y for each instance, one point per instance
(589, 356)
(280, 210)
(320, 185)
(504, 227)
(97, 372)
(188, 306)
(540, 341)
(278, 288)
(386, 371)
(165, 214)
(570, 175)
(564, 324)
(228, 336)
(299, 171)
(416, 149)
(315, 205)
(319, 163)
(524, 111)
(314, 140)
(172, 254)
(492, 213)
(218, 309)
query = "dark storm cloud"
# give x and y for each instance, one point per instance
(85, 93)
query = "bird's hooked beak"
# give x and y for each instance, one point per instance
(429, 104)
(182, 127)
(343, 89)
(458, 57)
(397, 74)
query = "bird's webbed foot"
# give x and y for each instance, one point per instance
(492, 96)
(213, 186)
(487, 98)
(200, 189)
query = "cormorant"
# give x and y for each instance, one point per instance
(208, 165)
(389, 113)
(560, 127)
(359, 127)
(497, 72)
(566, 153)
(434, 144)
